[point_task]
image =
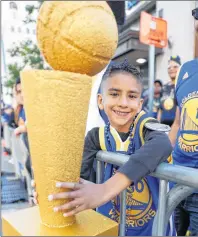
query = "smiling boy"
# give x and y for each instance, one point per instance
(129, 131)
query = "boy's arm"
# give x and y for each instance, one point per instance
(159, 114)
(145, 160)
(91, 147)
(20, 129)
(84, 196)
(174, 128)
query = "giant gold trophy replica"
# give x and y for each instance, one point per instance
(77, 39)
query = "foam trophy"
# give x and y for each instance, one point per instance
(77, 39)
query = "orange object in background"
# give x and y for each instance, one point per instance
(153, 30)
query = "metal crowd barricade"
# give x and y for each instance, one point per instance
(186, 179)
(18, 156)
(26, 173)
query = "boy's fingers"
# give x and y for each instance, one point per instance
(69, 205)
(74, 211)
(74, 186)
(74, 194)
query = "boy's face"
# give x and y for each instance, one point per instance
(196, 27)
(157, 87)
(172, 69)
(19, 96)
(121, 100)
(195, 15)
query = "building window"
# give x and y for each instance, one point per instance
(12, 28)
(13, 5)
(19, 29)
(27, 31)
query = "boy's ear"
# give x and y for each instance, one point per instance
(100, 102)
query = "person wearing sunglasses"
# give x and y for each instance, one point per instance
(167, 109)
(184, 138)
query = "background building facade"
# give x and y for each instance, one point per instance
(13, 31)
(181, 35)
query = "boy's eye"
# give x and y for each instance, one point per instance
(132, 96)
(114, 94)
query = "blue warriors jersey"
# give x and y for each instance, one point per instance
(186, 149)
(22, 117)
(142, 197)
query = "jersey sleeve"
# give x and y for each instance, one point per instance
(177, 76)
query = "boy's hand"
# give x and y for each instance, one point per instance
(85, 195)
(20, 129)
(35, 194)
(17, 131)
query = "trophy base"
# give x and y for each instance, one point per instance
(27, 223)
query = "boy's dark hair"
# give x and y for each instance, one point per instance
(158, 81)
(123, 67)
(18, 81)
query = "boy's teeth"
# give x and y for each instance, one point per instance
(120, 113)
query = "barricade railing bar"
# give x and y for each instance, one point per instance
(18, 156)
(186, 180)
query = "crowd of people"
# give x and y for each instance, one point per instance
(128, 129)
(164, 103)
(14, 117)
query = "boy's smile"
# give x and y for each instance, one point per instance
(121, 100)
(121, 113)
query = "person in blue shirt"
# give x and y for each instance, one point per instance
(6, 113)
(20, 118)
(6, 118)
(129, 131)
(21, 129)
(184, 138)
(156, 99)
(166, 113)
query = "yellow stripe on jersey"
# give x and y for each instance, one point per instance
(126, 144)
(170, 159)
(136, 121)
(141, 129)
(102, 138)
(116, 138)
